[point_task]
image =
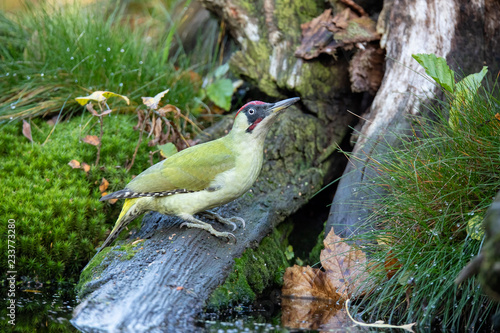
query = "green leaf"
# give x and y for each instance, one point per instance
(167, 149)
(220, 92)
(465, 90)
(438, 69)
(475, 228)
(289, 253)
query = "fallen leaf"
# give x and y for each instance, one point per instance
(312, 314)
(344, 266)
(91, 139)
(104, 185)
(85, 167)
(112, 201)
(179, 288)
(74, 164)
(308, 282)
(152, 102)
(345, 273)
(52, 121)
(27, 130)
(325, 33)
(497, 116)
(100, 96)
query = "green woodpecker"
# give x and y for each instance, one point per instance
(203, 176)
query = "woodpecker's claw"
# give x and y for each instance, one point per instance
(192, 222)
(229, 221)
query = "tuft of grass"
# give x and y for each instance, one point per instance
(51, 54)
(441, 176)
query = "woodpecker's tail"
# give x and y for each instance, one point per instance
(128, 214)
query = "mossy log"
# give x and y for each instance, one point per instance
(170, 277)
(465, 34)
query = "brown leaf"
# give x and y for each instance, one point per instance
(85, 167)
(325, 33)
(345, 273)
(307, 282)
(312, 314)
(91, 139)
(106, 112)
(52, 121)
(74, 164)
(27, 130)
(346, 268)
(90, 108)
(497, 116)
(169, 108)
(316, 37)
(112, 201)
(104, 185)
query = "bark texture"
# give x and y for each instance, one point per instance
(465, 33)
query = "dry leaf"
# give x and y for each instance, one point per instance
(325, 33)
(308, 282)
(152, 102)
(179, 288)
(85, 167)
(112, 201)
(74, 164)
(52, 121)
(100, 96)
(169, 108)
(90, 108)
(27, 130)
(311, 314)
(91, 139)
(344, 266)
(345, 272)
(497, 116)
(104, 185)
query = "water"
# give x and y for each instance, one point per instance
(40, 308)
(49, 308)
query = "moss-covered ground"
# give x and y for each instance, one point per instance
(59, 219)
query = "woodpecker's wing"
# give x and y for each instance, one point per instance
(190, 170)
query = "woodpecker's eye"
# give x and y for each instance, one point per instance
(251, 111)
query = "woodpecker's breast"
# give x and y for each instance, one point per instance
(226, 187)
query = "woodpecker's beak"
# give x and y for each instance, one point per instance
(281, 105)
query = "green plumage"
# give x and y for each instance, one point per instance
(192, 169)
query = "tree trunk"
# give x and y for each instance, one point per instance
(465, 33)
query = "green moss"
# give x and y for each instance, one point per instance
(256, 270)
(290, 14)
(59, 219)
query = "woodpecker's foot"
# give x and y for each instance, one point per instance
(192, 222)
(229, 221)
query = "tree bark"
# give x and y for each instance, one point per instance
(465, 33)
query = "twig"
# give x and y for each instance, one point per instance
(140, 140)
(379, 324)
(100, 142)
